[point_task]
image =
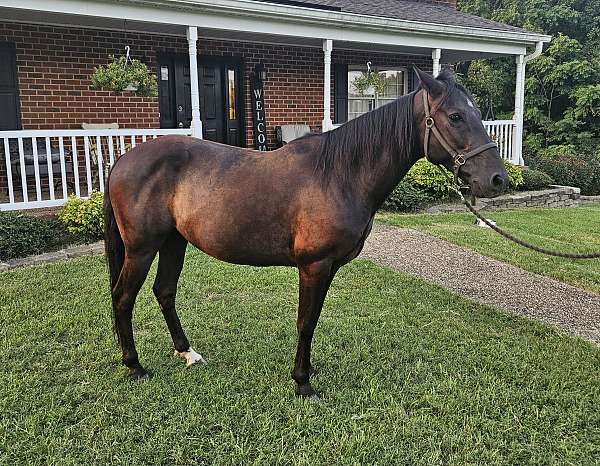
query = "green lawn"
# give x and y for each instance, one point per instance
(410, 374)
(570, 230)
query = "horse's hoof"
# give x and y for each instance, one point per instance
(191, 357)
(138, 374)
(308, 393)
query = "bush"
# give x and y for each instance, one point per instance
(407, 198)
(426, 177)
(23, 235)
(535, 179)
(515, 175)
(570, 166)
(84, 217)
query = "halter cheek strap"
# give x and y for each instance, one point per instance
(458, 158)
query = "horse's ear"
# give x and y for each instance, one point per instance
(434, 87)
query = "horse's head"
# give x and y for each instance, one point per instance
(453, 135)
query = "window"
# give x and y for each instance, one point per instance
(359, 103)
(231, 93)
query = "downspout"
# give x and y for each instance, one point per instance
(539, 46)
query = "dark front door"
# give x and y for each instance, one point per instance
(10, 116)
(220, 86)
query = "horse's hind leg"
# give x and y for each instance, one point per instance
(170, 262)
(134, 272)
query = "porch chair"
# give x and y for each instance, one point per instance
(287, 133)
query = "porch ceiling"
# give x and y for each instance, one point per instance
(130, 19)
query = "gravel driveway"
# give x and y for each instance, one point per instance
(486, 280)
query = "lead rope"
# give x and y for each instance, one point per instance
(509, 236)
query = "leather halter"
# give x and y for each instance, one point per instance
(458, 158)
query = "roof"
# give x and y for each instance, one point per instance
(419, 11)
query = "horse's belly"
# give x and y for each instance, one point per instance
(259, 247)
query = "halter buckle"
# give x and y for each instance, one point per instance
(429, 123)
(459, 160)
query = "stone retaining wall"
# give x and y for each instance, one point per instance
(555, 196)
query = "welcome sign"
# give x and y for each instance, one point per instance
(258, 115)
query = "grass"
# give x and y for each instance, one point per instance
(410, 374)
(569, 230)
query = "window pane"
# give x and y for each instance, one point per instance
(352, 90)
(231, 90)
(357, 107)
(394, 83)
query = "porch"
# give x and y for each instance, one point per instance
(299, 48)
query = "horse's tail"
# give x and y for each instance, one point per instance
(113, 246)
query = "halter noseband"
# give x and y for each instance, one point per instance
(458, 158)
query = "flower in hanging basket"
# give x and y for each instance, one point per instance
(370, 83)
(119, 76)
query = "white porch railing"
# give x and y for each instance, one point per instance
(42, 167)
(501, 131)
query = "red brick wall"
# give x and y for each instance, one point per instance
(54, 68)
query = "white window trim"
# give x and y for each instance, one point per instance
(377, 69)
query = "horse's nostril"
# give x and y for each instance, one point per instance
(498, 180)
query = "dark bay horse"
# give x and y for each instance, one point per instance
(308, 205)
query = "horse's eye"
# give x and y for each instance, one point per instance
(455, 117)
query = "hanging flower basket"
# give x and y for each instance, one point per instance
(125, 75)
(369, 83)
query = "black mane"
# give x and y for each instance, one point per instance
(362, 141)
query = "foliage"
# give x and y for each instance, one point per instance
(407, 198)
(427, 177)
(23, 235)
(568, 165)
(118, 75)
(535, 179)
(84, 217)
(425, 184)
(562, 99)
(515, 175)
(370, 79)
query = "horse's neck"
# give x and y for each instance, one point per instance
(379, 182)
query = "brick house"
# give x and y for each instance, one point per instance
(205, 54)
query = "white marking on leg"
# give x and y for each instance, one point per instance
(190, 356)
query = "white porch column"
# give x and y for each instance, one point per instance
(192, 37)
(436, 55)
(519, 109)
(327, 48)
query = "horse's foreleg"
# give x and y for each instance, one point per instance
(314, 283)
(170, 263)
(134, 272)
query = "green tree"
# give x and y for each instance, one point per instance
(562, 86)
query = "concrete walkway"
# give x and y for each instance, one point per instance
(486, 280)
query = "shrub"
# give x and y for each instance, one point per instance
(535, 179)
(569, 166)
(84, 217)
(23, 235)
(426, 177)
(515, 175)
(407, 198)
